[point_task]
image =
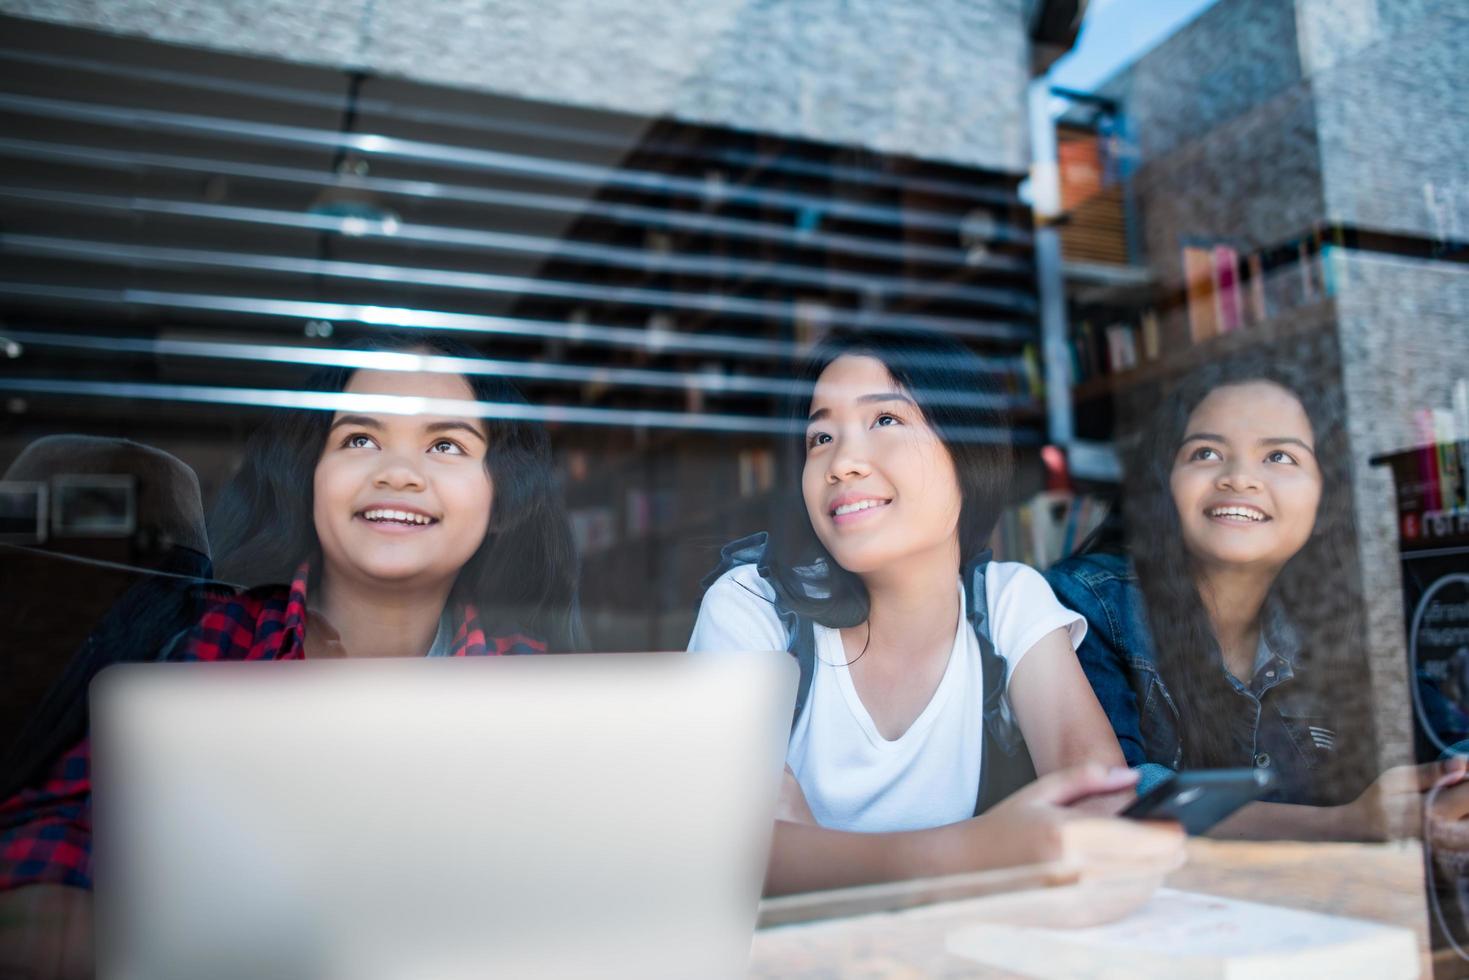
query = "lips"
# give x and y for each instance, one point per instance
(1236, 514)
(854, 507)
(399, 517)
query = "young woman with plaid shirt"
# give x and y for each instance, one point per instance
(432, 533)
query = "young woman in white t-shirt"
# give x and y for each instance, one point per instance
(906, 468)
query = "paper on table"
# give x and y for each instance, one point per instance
(1181, 933)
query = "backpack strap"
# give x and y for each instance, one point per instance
(1006, 763)
(800, 630)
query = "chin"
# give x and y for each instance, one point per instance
(391, 570)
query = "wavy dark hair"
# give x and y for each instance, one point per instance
(955, 392)
(1311, 588)
(524, 574)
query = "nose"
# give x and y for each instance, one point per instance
(1240, 475)
(398, 472)
(849, 462)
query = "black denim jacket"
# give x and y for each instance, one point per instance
(1276, 721)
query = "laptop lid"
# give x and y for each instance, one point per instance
(605, 814)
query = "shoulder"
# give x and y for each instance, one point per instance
(741, 585)
(230, 623)
(739, 612)
(1001, 575)
(1097, 568)
(1094, 578)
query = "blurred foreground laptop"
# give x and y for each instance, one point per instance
(585, 815)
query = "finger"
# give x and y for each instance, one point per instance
(1419, 778)
(1450, 802)
(1069, 785)
(1444, 772)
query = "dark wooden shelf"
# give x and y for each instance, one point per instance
(1297, 321)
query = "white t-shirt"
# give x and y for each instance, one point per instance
(853, 778)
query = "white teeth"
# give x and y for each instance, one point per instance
(855, 507)
(1246, 513)
(395, 516)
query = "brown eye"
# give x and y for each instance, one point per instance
(817, 439)
(358, 440)
(1281, 456)
(1206, 453)
(447, 446)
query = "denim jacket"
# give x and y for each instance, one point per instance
(1276, 722)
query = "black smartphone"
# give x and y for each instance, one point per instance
(1201, 798)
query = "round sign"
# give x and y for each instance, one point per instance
(1438, 650)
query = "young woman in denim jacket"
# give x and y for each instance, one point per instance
(1197, 647)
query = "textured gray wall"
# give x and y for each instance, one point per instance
(942, 79)
(1394, 124)
(1233, 58)
(1403, 327)
(1226, 134)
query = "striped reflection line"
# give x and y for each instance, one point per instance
(651, 340)
(480, 122)
(712, 383)
(687, 222)
(334, 401)
(121, 253)
(449, 237)
(472, 159)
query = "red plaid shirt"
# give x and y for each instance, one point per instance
(46, 831)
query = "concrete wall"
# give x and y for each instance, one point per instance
(1394, 123)
(943, 79)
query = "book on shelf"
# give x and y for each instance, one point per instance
(1198, 273)
(593, 528)
(1256, 276)
(1152, 336)
(1121, 347)
(1228, 313)
(1183, 934)
(1046, 528)
(756, 471)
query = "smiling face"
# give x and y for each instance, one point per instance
(402, 499)
(1245, 480)
(879, 486)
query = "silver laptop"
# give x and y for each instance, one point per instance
(589, 815)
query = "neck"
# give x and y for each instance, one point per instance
(1233, 597)
(915, 601)
(373, 620)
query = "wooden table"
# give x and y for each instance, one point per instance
(1378, 882)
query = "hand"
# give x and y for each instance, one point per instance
(791, 805)
(1445, 828)
(1392, 807)
(1041, 824)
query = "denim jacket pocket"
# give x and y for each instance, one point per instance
(1312, 735)
(1158, 721)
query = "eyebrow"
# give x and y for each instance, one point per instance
(456, 425)
(875, 397)
(1270, 441)
(366, 421)
(449, 425)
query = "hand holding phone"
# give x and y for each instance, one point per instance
(1201, 798)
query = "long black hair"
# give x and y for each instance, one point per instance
(1312, 588)
(955, 392)
(524, 574)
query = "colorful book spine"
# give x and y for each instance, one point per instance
(1198, 272)
(1228, 311)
